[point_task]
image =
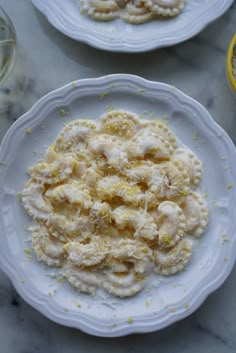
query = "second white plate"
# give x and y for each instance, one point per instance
(119, 36)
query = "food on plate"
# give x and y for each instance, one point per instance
(115, 200)
(131, 11)
(165, 7)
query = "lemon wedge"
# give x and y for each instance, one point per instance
(229, 63)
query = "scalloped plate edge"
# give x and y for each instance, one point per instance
(10, 268)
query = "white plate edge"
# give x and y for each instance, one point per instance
(63, 318)
(127, 46)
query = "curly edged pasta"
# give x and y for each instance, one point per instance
(85, 255)
(149, 144)
(171, 261)
(191, 163)
(137, 13)
(171, 224)
(196, 214)
(34, 200)
(101, 10)
(131, 11)
(74, 136)
(48, 249)
(120, 123)
(166, 7)
(82, 279)
(137, 261)
(113, 201)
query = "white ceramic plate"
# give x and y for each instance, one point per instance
(119, 36)
(170, 299)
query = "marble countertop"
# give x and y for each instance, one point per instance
(46, 60)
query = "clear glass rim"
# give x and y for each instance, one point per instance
(10, 65)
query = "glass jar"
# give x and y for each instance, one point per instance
(7, 45)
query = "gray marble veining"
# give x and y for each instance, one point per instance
(46, 60)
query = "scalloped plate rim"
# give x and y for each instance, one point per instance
(64, 318)
(127, 46)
